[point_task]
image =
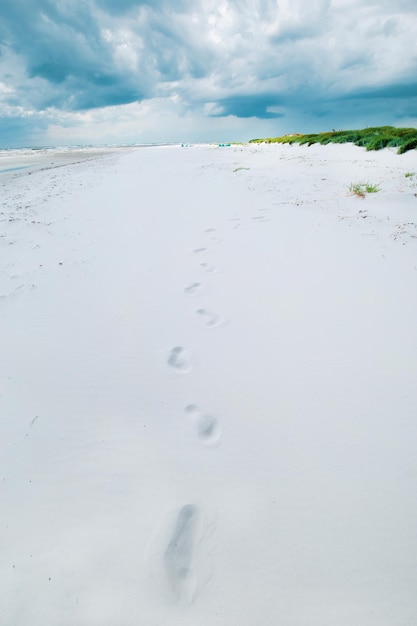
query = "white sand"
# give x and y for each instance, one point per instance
(208, 389)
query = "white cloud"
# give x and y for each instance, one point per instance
(6, 89)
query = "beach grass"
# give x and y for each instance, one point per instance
(360, 189)
(370, 138)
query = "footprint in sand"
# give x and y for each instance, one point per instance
(207, 426)
(179, 555)
(211, 320)
(215, 238)
(193, 289)
(180, 360)
(187, 558)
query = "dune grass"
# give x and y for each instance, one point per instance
(360, 189)
(370, 138)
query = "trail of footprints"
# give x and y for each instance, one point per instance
(179, 558)
(179, 358)
(181, 563)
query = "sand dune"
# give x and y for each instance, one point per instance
(208, 388)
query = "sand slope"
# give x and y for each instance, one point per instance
(208, 389)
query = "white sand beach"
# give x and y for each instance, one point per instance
(208, 388)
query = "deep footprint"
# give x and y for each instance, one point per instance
(180, 360)
(179, 555)
(207, 429)
(207, 426)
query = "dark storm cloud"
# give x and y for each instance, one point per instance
(399, 90)
(62, 44)
(73, 47)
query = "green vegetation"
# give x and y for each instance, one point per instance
(359, 189)
(239, 169)
(370, 138)
(409, 174)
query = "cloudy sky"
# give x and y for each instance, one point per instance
(122, 71)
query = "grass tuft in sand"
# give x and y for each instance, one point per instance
(360, 189)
